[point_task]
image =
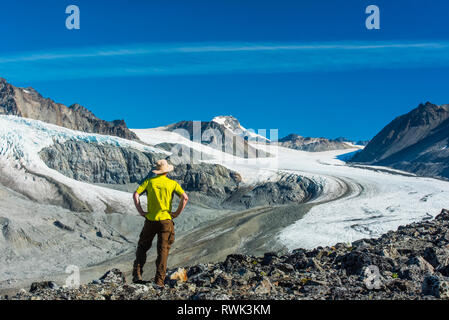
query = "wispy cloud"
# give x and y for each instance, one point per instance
(220, 58)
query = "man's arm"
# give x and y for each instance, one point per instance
(136, 197)
(181, 206)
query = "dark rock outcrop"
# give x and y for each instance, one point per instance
(28, 103)
(290, 188)
(36, 286)
(342, 271)
(210, 179)
(96, 163)
(362, 142)
(416, 142)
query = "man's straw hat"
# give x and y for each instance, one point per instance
(162, 166)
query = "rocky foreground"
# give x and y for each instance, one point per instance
(412, 263)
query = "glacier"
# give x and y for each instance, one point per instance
(356, 201)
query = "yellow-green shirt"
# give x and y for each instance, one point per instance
(159, 195)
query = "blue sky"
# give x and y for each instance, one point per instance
(308, 67)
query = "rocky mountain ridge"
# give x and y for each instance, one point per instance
(356, 142)
(28, 103)
(416, 142)
(411, 263)
(297, 142)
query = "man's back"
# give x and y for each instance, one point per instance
(158, 219)
(159, 194)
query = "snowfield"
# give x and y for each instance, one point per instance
(357, 201)
(385, 200)
(21, 140)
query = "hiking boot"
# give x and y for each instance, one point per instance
(158, 286)
(137, 274)
(159, 282)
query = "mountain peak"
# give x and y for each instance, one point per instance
(429, 106)
(232, 124)
(291, 137)
(415, 142)
(227, 121)
(82, 110)
(426, 114)
(28, 103)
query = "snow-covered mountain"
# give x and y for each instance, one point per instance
(224, 134)
(233, 125)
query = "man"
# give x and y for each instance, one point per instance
(158, 219)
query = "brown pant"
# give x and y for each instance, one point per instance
(165, 230)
